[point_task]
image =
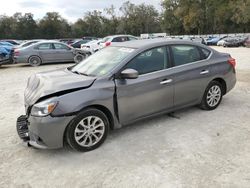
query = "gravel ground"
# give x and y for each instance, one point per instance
(195, 149)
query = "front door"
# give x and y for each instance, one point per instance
(46, 52)
(151, 92)
(63, 52)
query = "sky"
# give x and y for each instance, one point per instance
(69, 9)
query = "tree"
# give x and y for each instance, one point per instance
(26, 27)
(53, 26)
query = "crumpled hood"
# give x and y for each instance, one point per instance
(54, 82)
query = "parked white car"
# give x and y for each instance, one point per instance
(91, 46)
(221, 42)
(116, 38)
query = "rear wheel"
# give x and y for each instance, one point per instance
(212, 96)
(88, 130)
(35, 61)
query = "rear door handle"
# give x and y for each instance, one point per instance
(166, 81)
(204, 72)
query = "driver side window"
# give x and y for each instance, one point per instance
(149, 61)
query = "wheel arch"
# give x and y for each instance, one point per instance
(103, 109)
(223, 83)
(35, 56)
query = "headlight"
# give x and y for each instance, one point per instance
(43, 108)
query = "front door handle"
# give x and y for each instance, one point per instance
(166, 81)
(204, 72)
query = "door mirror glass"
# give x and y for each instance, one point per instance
(129, 74)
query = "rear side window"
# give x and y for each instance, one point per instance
(120, 39)
(205, 53)
(184, 54)
(44, 46)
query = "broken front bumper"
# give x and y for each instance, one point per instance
(42, 132)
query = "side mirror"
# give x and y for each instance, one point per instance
(129, 74)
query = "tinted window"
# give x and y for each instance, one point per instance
(60, 46)
(149, 61)
(205, 53)
(120, 39)
(44, 46)
(184, 54)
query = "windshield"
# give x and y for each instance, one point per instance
(102, 62)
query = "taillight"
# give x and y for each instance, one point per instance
(16, 53)
(107, 43)
(232, 62)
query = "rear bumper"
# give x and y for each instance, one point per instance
(20, 59)
(43, 132)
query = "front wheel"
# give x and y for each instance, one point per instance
(212, 96)
(88, 130)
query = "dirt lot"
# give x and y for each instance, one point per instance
(198, 149)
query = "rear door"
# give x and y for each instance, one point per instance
(191, 71)
(46, 52)
(151, 92)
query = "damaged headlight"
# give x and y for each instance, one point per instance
(43, 108)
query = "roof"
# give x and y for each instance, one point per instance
(147, 43)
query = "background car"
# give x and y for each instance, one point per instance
(92, 46)
(214, 40)
(68, 40)
(13, 42)
(78, 43)
(44, 52)
(235, 41)
(247, 42)
(27, 43)
(116, 38)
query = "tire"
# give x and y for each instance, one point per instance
(34, 61)
(78, 58)
(212, 96)
(88, 130)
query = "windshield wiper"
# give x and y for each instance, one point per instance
(81, 73)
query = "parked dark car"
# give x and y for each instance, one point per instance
(68, 41)
(14, 42)
(78, 43)
(235, 42)
(119, 85)
(247, 42)
(89, 38)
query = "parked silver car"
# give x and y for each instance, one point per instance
(44, 52)
(119, 85)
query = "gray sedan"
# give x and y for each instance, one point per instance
(44, 52)
(120, 85)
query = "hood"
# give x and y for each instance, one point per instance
(54, 83)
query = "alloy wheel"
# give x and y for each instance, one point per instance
(89, 131)
(213, 95)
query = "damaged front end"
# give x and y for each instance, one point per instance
(39, 128)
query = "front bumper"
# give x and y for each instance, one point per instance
(43, 132)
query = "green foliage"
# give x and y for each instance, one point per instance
(176, 17)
